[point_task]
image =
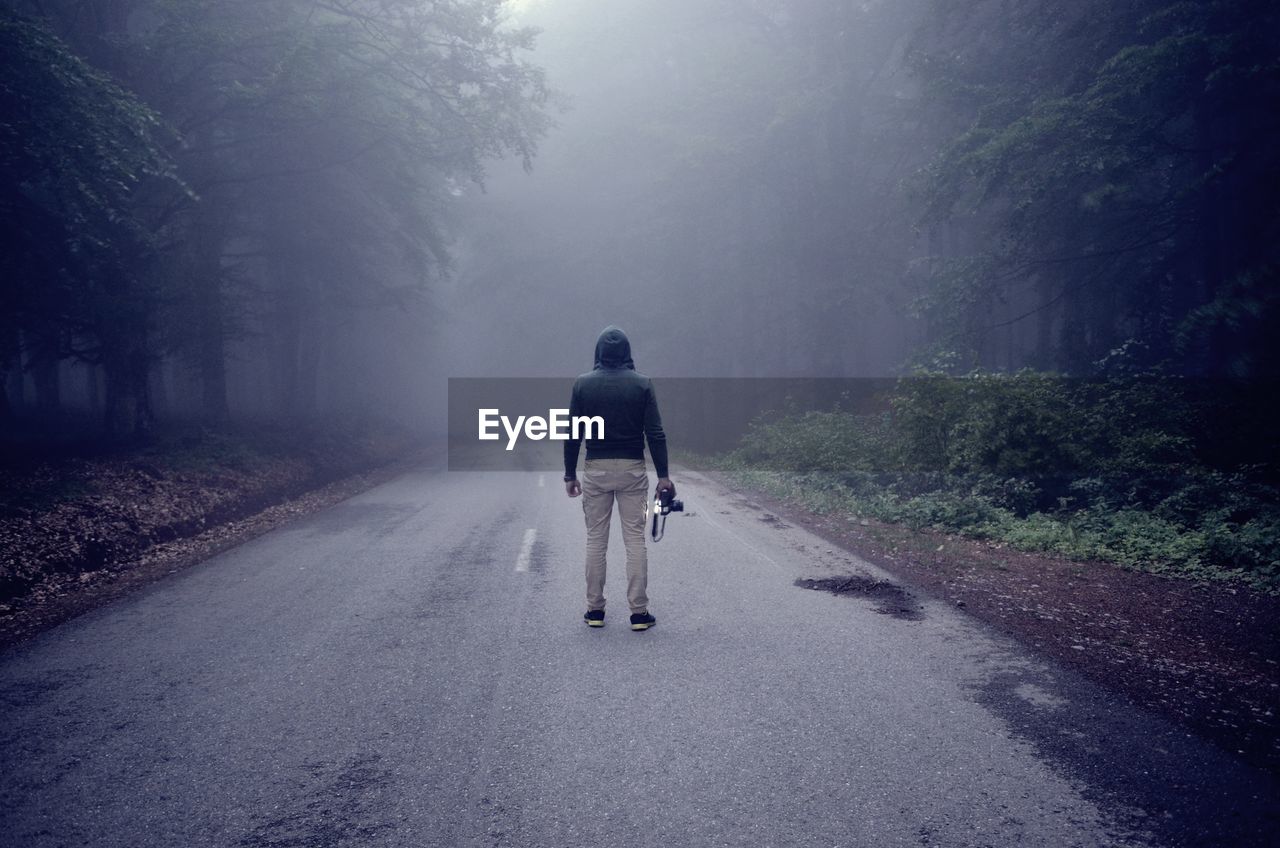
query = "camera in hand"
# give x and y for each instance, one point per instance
(666, 503)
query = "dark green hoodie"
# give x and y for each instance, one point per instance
(624, 398)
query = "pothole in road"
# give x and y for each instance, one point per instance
(891, 599)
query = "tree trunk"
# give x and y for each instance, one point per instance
(213, 374)
(10, 367)
(211, 354)
(289, 341)
(126, 362)
(6, 408)
(308, 393)
(43, 365)
(1046, 342)
(93, 386)
(158, 389)
(210, 228)
(1213, 215)
(127, 413)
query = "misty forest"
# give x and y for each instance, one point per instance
(984, 292)
(289, 209)
(295, 213)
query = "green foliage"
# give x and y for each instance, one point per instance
(986, 423)
(817, 441)
(183, 172)
(1102, 175)
(1118, 470)
(74, 149)
(72, 140)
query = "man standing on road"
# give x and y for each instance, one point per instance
(615, 469)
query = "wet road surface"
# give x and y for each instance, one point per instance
(410, 668)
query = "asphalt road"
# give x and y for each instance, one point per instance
(410, 668)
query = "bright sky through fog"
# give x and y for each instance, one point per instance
(518, 6)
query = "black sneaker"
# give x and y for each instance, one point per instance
(642, 621)
(594, 618)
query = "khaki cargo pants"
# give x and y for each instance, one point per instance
(627, 480)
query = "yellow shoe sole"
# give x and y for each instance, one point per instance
(641, 626)
(595, 624)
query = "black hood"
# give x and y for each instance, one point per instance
(613, 350)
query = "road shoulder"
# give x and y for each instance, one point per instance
(60, 597)
(1206, 656)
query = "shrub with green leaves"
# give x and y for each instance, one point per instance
(1131, 471)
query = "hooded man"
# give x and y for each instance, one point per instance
(615, 469)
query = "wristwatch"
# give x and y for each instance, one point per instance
(569, 479)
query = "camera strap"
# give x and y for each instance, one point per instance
(655, 532)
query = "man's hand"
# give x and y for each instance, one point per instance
(664, 483)
(572, 488)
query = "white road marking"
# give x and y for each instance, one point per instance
(542, 481)
(526, 550)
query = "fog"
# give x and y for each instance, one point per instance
(686, 196)
(291, 210)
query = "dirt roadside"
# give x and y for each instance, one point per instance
(1206, 656)
(62, 596)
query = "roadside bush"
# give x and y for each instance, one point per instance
(997, 424)
(1019, 496)
(952, 512)
(1129, 471)
(1252, 547)
(1042, 532)
(816, 441)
